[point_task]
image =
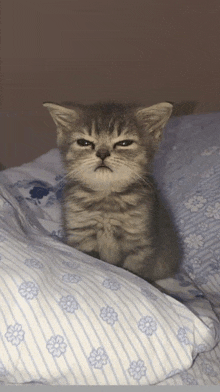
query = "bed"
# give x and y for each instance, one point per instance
(70, 319)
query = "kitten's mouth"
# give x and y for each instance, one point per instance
(103, 167)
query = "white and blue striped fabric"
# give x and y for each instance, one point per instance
(70, 319)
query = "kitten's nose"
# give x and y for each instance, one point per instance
(103, 153)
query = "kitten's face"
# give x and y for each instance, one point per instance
(106, 159)
(104, 147)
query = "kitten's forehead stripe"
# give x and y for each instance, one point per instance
(111, 119)
(111, 125)
(120, 127)
(99, 124)
(127, 131)
(93, 128)
(90, 128)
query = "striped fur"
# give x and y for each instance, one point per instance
(111, 207)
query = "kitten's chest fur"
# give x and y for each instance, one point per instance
(106, 227)
(132, 231)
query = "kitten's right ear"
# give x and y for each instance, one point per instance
(63, 117)
(154, 118)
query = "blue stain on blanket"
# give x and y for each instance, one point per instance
(38, 192)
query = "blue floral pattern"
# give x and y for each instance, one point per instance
(207, 368)
(195, 203)
(147, 325)
(148, 294)
(98, 358)
(69, 304)
(111, 284)
(194, 241)
(28, 290)
(109, 315)
(32, 263)
(200, 348)
(15, 334)
(70, 264)
(56, 346)
(137, 369)
(182, 337)
(70, 278)
(188, 379)
(213, 211)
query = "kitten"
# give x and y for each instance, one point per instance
(111, 207)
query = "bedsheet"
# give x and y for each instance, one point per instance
(70, 319)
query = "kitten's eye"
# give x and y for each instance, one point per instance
(124, 143)
(85, 143)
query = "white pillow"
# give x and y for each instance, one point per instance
(69, 319)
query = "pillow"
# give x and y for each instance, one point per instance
(187, 169)
(70, 319)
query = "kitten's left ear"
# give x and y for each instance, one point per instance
(154, 118)
(63, 117)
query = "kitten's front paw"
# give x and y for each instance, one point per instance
(136, 264)
(93, 253)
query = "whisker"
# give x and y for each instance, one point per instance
(70, 173)
(90, 162)
(148, 183)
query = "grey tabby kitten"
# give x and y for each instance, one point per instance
(111, 206)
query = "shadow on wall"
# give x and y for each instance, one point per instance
(2, 167)
(184, 108)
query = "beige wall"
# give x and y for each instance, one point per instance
(88, 50)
